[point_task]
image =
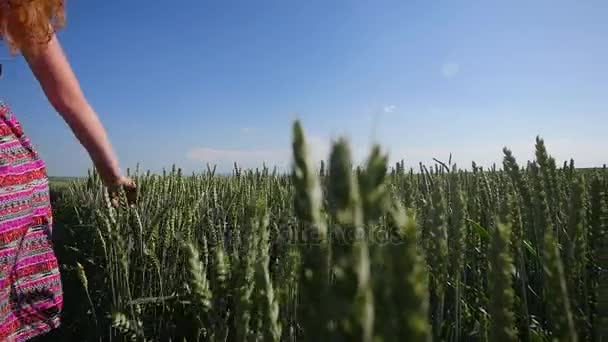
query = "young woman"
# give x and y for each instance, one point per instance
(30, 285)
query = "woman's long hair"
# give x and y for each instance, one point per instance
(27, 25)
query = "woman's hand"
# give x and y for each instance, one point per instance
(122, 183)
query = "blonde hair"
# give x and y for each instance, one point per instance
(28, 25)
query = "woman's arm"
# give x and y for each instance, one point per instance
(52, 69)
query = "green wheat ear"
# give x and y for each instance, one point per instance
(343, 191)
(197, 280)
(502, 324)
(200, 292)
(266, 298)
(410, 286)
(314, 271)
(82, 276)
(575, 255)
(372, 184)
(351, 293)
(245, 281)
(437, 256)
(560, 314)
(308, 197)
(457, 244)
(125, 326)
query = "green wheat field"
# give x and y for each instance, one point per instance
(339, 252)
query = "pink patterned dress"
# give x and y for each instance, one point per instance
(31, 295)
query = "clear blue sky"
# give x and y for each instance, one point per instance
(191, 82)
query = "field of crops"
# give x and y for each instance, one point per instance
(338, 252)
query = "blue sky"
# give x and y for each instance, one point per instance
(217, 81)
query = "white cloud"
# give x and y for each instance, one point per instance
(462, 154)
(247, 129)
(389, 108)
(319, 148)
(450, 69)
(246, 158)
